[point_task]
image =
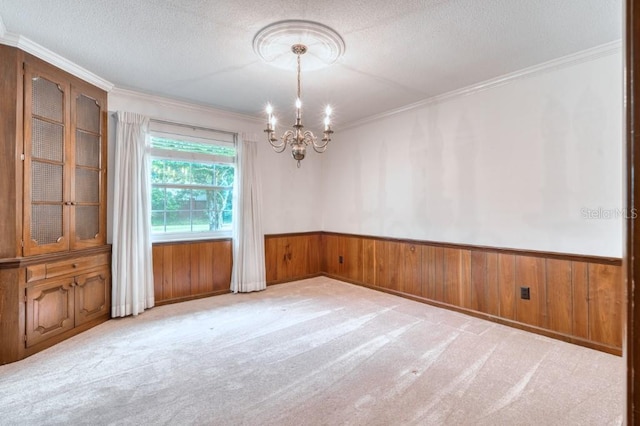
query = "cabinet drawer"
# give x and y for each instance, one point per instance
(65, 267)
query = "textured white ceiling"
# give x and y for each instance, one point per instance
(397, 52)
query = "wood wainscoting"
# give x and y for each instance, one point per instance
(291, 257)
(191, 269)
(578, 299)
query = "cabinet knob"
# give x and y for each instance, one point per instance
(75, 265)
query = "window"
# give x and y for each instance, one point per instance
(192, 176)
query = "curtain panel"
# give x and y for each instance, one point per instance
(132, 268)
(248, 272)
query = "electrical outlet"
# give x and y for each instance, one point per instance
(525, 293)
(340, 259)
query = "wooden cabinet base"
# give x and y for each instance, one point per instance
(38, 313)
(26, 352)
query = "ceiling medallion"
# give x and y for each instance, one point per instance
(324, 47)
(273, 44)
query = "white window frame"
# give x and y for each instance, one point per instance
(188, 133)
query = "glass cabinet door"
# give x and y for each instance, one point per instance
(46, 172)
(88, 172)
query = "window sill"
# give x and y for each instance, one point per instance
(187, 238)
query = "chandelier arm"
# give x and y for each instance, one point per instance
(280, 148)
(287, 138)
(277, 147)
(321, 147)
(309, 138)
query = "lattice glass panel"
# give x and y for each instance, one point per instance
(87, 222)
(87, 186)
(88, 114)
(87, 149)
(47, 99)
(47, 140)
(46, 182)
(46, 223)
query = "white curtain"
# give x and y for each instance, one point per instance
(248, 272)
(132, 269)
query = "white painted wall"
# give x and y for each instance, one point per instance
(513, 165)
(289, 204)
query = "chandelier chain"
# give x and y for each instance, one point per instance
(298, 76)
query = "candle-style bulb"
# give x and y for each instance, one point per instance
(328, 111)
(273, 122)
(298, 103)
(327, 121)
(269, 109)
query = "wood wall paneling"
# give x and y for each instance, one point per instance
(332, 254)
(493, 291)
(157, 254)
(222, 264)
(605, 304)
(187, 270)
(395, 266)
(507, 285)
(457, 277)
(479, 283)
(530, 272)
(433, 273)
(271, 259)
(368, 261)
(580, 287)
(571, 297)
(351, 252)
(296, 256)
(412, 268)
(381, 276)
(559, 295)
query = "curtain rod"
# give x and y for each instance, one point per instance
(190, 126)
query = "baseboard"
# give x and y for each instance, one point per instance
(192, 297)
(515, 324)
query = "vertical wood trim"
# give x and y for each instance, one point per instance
(270, 259)
(413, 268)
(479, 286)
(605, 304)
(507, 285)
(223, 262)
(158, 271)
(493, 291)
(368, 262)
(194, 268)
(167, 283)
(580, 285)
(560, 298)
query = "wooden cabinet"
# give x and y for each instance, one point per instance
(64, 156)
(54, 260)
(57, 305)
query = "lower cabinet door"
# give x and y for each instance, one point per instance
(50, 309)
(92, 295)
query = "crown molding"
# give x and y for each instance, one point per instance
(544, 67)
(29, 46)
(169, 102)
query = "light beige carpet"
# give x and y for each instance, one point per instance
(313, 352)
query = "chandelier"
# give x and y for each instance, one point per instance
(274, 45)
(297, 138)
